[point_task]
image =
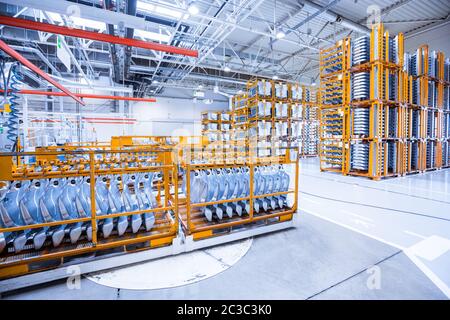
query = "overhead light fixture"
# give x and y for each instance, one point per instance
(275, 77)
(280, 34)
(193, 9)
(200, 87)
(199, 94)
(313, 82)
(152, 35)
(226, 69)
(159, 10)
(155, 81)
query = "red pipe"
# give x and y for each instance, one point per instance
(46, 120)
(111, 122)
(102, 118)
(80, 33)
(83, 95)
(96, 120)
(13, 53)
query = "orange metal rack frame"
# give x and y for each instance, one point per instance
(31, 267)
(198, 227)
(93, 164)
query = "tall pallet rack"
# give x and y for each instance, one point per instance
(239, 125)
(446, 112)
(427, 95)
(304, 120)
(376, 128)
(281, 115)
(383, 113)
(333, 115)
(216, 127)
(260, 116)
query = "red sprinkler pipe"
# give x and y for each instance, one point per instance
(13, 53)
(83, 95)
(80, 33)
(111, 122)
(114, 119)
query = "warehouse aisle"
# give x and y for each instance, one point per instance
(313, 261)
(355, 239)
(410, 213)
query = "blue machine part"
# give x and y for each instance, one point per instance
(10, 214)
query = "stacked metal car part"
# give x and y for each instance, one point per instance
(384, 108)
(360, 91)
(55, 197)
(215, 184)
(275, 115)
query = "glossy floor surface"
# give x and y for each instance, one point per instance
(354, 239)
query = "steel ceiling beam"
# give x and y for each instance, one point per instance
(80, 33)
(82, 95)
(13, 53)
(85, 11)
(334, 17)
(311, 17)
(131, 10)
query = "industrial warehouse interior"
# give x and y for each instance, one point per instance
(225, 150)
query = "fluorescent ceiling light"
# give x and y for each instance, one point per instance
(162, 11)
(226, 69)
(152, 35)
(275, 77)
(88, 23)
(56, 17)
(77, 21)
(193, 9)
(280, 35)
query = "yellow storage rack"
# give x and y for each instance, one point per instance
(91, 165)
(309, 135)
(192, 213)
(379, 151)
(445, 87)
(277, 115)
(334, 105)
(383, 114)
(180, 223)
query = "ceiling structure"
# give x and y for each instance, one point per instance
(235, 39)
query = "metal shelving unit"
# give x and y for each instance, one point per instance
(334, 85)
(280, 115)
(383, 113)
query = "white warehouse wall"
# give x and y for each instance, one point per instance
(165, 117)
(170, 116)
(437, 39)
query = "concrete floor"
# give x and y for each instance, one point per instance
(355, 239)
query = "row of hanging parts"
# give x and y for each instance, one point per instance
(48, 200)
(210, 185)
